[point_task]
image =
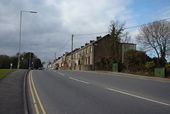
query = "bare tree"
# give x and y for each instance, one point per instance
(126, 38)
(156, 36)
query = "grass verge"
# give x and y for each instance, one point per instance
(4, 72)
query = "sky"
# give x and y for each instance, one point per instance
(49, 31)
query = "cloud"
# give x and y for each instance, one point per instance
(92, 15)
(50, 30)
(164, 13)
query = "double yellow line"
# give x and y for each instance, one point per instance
(34, 95)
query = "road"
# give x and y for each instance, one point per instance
(78, 92)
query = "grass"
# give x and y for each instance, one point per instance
(4, 72)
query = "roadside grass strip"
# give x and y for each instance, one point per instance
(4, 72)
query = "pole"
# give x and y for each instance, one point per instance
(123, 53)
(72, 42)
(18, 66)
(30, 61)
(72, 51)
(19, 50)
(55, 56)
(93, 55)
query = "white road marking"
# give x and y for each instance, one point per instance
(141, 77)
(60, 73)
(53, 70)
(78, 80)
(140, 97)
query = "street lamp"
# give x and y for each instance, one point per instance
(22, 11)
(72, 51)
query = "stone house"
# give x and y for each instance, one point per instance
(95, 55)
(83, 57)
(103, 53)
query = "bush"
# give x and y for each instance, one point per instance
(167, 65)
(104, 64)
(135, 60)
(150, 65)
(4, 72)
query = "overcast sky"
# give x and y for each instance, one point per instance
(49, 31)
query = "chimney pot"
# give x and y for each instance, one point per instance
(98, 37)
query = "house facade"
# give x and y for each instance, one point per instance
(82, 58)
(94, 55)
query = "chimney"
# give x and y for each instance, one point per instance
(91, 41)
(77, 49)
(98, 37)
(86, 44)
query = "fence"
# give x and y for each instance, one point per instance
(159, 72)
(115, 67)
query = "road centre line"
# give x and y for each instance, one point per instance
(136, 96)
(32, 95)
(78, 80)
(37, 96)
(60, 73)
(118, 74)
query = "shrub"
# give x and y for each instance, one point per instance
(167, 65)
(150, 65)
(135, 60)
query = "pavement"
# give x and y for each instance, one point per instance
(76, 92)
(11, 93)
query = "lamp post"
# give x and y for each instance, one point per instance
(72, 51)
(30, 61)
(22, 11)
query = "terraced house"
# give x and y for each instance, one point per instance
(94, 55)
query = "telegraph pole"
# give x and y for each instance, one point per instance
(55, 56)
(72, 51)
(72, 42)
(30, 61)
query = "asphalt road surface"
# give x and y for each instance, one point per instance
(77, 92)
